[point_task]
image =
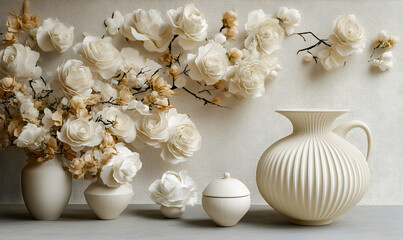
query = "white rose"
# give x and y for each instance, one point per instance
(348, 37)
(75, 78)
(189, 24)
(331, 59)
(174, 190)
(289, 19)
(53, 34)
(121, 168)
(149, 27)
(114, 23)
(384, 62)
(264, 32)
(123, 126)
(80, 132)
(153, 129)
(31, 137)
(248, 78)
(101, 55)
(184, 138)
(210, 64)
(20, 62)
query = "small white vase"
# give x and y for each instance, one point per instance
(314, 175)
(46, 188)
(107, 202)
(172, 212)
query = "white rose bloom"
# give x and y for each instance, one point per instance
(114, 23)
(189, 24)
(100, 54)
(53, 34)
(174, 190)
(149, 27)
(75, 78)
(248, 78)
(384, 62)
(121, 168)
(348, 37)
(106, 90)
(153, 129)
(264, 32)
(290, 18)
(184, 138)
(210, 64)
(31, 137)
(80, 132)
(20, 62)
(123, 126)
(331, 59)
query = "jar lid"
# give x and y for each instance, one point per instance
(226, 187)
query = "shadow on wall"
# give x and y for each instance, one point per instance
(11, 162)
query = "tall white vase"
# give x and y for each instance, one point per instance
(314, 175)
(106, 202)
(46, 188)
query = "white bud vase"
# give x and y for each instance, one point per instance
(314, 175)
(107, 202)
(172, 212)
(46, 188)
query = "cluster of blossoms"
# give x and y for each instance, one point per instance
(210, 62)
(384, 41)
(174, 190)
(93, 109)
(347, 38)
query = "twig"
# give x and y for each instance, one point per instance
(202, 98)
(170, 43)
(222, 28)
(110, 101)
(46, 94)
(43, 80)
(140, 92)
(314, 57)
(373, 51)
(33, 90)
(320, 41)
(105, 122)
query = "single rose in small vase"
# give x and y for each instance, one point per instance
(173, 191)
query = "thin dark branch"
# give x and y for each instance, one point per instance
(301, 34)
(105, 122)
(373, 51)
(33, 90)
(44, 94)
(143, 91)
(222, 28)
(156, 72)
(43, 80)
(205, 90)
(170, 43)
(110, 101)
(202, 98)
(314, 57)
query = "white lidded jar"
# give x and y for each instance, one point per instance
(226, 200)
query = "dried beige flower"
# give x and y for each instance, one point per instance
(218, 84)
(57, 117)
(15, 127)
(235, 54)
(68, 153)
(125, 96)
(161, 86)
(9, 39)
(93, 99)
(166, 58)
(231, 33)
(217, 100)
(159, 102)
(76, 167)
(173, 71)
(229, 19)
(8, 83)
(29, 21)
(385, 40)
(13, 23)
(82, 113)
(107, 141)
(77, 102)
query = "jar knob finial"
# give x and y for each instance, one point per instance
(227, 175)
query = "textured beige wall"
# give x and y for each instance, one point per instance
(234, 139)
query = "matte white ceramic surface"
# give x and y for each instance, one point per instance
(46, 188)
(314, 175)
(226, 212)
(106, 202)
(226, 200)
(172, 212)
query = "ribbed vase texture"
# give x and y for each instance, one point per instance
(312, 175)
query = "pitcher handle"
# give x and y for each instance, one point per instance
(344, 128)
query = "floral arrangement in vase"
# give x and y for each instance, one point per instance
(173, 192)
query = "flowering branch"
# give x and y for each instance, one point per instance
(110, 101)
(203, 99)
(320, 41)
